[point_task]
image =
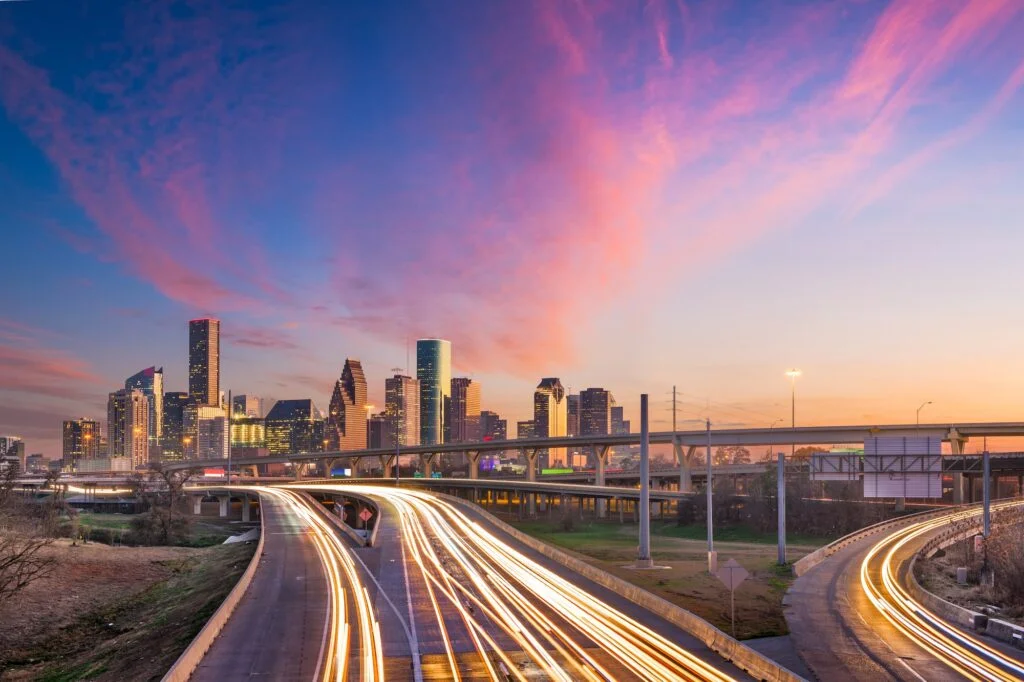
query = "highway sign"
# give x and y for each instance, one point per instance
(732, 574)
(366, 515)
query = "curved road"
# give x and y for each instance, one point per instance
(850, 618)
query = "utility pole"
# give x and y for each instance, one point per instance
(230, 410)
(986, 489)
(712, 555)
(782, 508)
(644, 555)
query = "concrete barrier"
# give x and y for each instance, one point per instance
(819, 555)
(340, 523)
(1005, 632)
(192, 656)
(725, 646)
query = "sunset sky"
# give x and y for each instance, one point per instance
(621, 194)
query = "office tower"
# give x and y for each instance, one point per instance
(375, 427)
(595, 412)
(572, 415)
(294, 426)
(81, 441)
(207, 433)
(151, 382)
(346, 416)
(12, 453)
(618, 426)
(248, 432)
(401, 411)
(526, 429)
(493, 427)
(204, 361)
(171, 445)
(463, 420)
(434, 372)
(128, 426)
(247, 406)
(8, 443)
(550, 419)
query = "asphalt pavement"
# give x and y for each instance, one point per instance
(277, 630)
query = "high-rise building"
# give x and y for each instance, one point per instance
(151, 382)
(81, 441)
(401, 411)
(8, 443)
(246, 406)
(618, 424)
(128, 426)
(207, 433)
(12, 456)
(346, 417)
(375, 427)
(294, 426)
(493, 427)
(550, 419)
(526, 429)
(248, 432)
(595, 412)
(204, 361)
(434, 372)
(172, 445)
(463, 419)
(572, 415)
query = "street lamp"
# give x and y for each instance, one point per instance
(923, 405)
(369, 408)
(793, 374)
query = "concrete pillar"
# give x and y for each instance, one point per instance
(473, 459)
(957, 448)
(618, 503)
(427, 464)
(225, 504)
(246, 511)
(386, 469)
(531, 474)
(297, 466)
(197, 504)
(1020, 486)
(600, 462)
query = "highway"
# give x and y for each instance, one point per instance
(851, 617)
(482, 606)
(306, 615)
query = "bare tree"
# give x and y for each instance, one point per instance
(161, 493)
(22, 539)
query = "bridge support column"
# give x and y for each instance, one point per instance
(427, 464)
(197, 504)
(685, 479)
(298, 466)
(386, 468)
(601, 453)
(225, 504)
(531, 474)
(956, 443)
(473, 460)
(1020, 486)
(246, 511)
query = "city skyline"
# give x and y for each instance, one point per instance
(612, 197)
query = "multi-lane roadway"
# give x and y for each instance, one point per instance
(852, 618)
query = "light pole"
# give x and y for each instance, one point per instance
(923, 405)
(793, 374)
(369, 409)
(712, 556)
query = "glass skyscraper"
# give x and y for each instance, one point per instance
(434, 372)
(151, 382)
(204, 361)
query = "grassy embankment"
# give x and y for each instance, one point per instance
(686, 582)
(136, 637)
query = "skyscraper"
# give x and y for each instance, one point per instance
(463, 420)
(151, 382)
(81, 441)
(525, 429)
(492, 427)
(434, 371)
(595, 412)
(550, 419)
(294, 426)
(573, 415)
(346, 416)
(128, 425)
(401, 411)
(246, 406)
(204, 361)
(207, 432)
(375, 426)
(172, 447)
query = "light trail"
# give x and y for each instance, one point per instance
(966, 654)
(341, 573)
(506, 602)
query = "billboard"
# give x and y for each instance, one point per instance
(903, 466)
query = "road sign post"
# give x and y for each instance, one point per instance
(732, 574)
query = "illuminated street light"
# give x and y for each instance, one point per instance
(793, 374)
(923, 405)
